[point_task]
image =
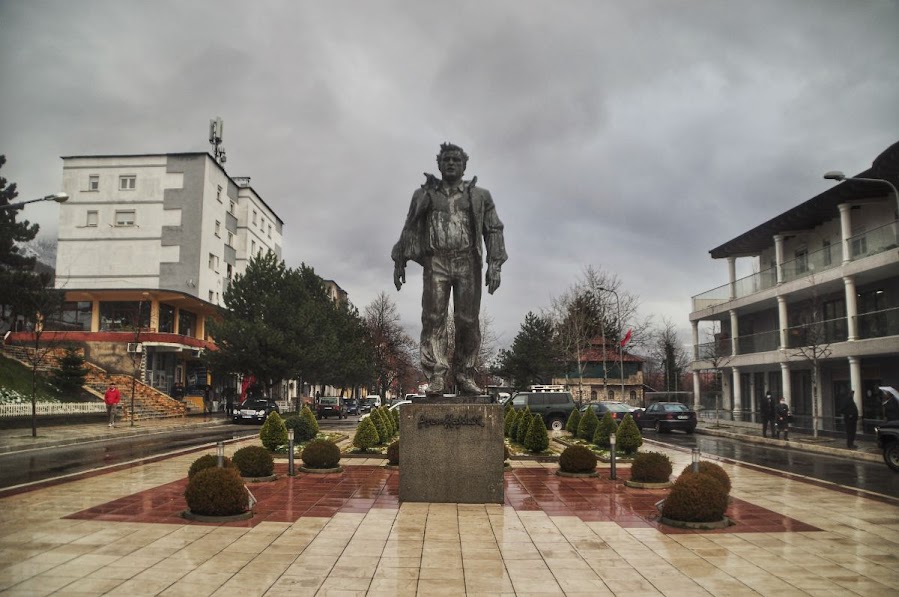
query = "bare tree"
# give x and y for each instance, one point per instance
(668, 351)
(718, 352)
(137, 354)
(812, 343)
(393, 347)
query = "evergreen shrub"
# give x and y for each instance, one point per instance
(513, 426)
(308, 429)
(524, 421)
(216, 492)
(586, 428)
(712, 469)
(577, 459)
(574, 420)
(606, 427)
(393, 453)
(651, 467)
(207, 461)
(696, 498)
(507, 421)
(537, 439)
(366, 435)
(254, 461)
(376, 418)
(321, 453)
(273, 433)
(629, 437)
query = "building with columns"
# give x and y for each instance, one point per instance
(820, 315)
(151, 242)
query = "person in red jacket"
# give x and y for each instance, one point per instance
(112, 399)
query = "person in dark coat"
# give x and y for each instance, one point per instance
(767, 412)
(850, 418)
(782, 418)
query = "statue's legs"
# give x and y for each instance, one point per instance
(467, 307)
(434, 303)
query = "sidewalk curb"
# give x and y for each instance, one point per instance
(797, 445)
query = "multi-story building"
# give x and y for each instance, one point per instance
(820, 315)
(599, 375)
(151, 243)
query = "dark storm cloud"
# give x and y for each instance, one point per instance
(632, 136)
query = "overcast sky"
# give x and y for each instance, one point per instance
(630, 136)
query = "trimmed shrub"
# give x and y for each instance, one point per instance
(395, 413)
(254, 461)
(537, 438)
(376, 418)
(507, 421)
(366, 435)
(273, 433)
(606, 427)
(574, 420)
(629, 437)
(216, 492)
(577, 459)
(393, 453)
(524, 421)
(321, 453)
(696, 498)
(586, 428)
(387, 415)
(712, 469)
(513, 427)
(207, 461)
(309, 428)
(651, 467)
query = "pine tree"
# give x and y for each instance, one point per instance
(629, 437)
(16, 270)
(587, 427)
(574, 420)
(366, 435)
(537, 439)
(274, 432)
(381, 428)
(523, 423)
(607, 426)
(69, 377)
(507, 422)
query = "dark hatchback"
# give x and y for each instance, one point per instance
(254, 411)
(617, 409)
(665, 416)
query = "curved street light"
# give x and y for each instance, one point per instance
(839, 176)
(58, 197)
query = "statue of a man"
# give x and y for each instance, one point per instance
(443, 232)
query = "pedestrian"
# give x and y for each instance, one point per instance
(782, 417)
(850, 418)
(112, 399)
(767, 412)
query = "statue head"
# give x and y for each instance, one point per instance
(452, 161)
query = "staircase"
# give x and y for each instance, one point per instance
(149, 403)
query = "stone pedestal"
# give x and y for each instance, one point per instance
(451, 453)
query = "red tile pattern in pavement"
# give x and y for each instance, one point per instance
(360, 488)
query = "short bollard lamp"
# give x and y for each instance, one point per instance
(695, 460)
(290, 470)
(220, 453)
(613, 474)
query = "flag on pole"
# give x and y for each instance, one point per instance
(627, 338)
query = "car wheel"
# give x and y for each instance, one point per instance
(891, 455)
(659, 427)
(689, 430)
(556, 424)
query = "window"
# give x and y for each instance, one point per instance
(252, 247)
(826, 256)
(187, 323)
(211, 296)
(127, 183)
(269, 230)
(166, 318)
(124, 217)
(254, 217)
(124, 315)
(218, 194)
(801, 261)
(218, 228)
(229, 271)
(216, 297)
(93, 182)
(74, 316)
(213, 262)
(230, 242)
(92, 218)
(231, 207)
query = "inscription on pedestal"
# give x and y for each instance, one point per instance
(451, 453)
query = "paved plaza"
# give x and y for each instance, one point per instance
(118, 532)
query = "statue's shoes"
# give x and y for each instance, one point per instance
(467, 387)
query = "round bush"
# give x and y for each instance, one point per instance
(577, 459)
(393, 453)
(696, 498)
(366, 435)
(537, 439)
(574, 420)
(273, 433)
(321, 453)
(628, 435)
(216, 492)
(651, 467)
(207, 461)
(586, 428)
(712, 469)
(606, 427)
(254, 461)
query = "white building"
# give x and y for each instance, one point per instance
(826, 282)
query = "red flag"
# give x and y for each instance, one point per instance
(626, 339)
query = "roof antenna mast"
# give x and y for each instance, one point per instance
(216, 131)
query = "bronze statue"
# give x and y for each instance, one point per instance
(443, 231)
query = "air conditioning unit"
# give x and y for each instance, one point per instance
(135, 347)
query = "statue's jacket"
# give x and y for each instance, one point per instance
(413, 243)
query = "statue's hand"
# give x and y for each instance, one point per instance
(493, 278)
(399, 275)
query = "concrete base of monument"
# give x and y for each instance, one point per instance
(451, 453)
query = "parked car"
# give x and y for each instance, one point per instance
(394, 407)
(665, 416)
(888, 441)
(617, 409)
(254, 410)
(352, 407)
(330, 406)
(554, 407)
(365, 407)
(373, 399)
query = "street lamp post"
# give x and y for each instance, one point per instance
(58, 197)
(839, 176)
(620, 348)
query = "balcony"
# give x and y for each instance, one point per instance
(868, 243)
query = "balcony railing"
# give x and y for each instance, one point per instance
(760, 342)
(868, 243)
(817, 333)
(878, 324)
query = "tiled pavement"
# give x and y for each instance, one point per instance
(552, 537)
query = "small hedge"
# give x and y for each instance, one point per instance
(607, 426)
(577, 459)
(712, 469)
(321, 453)
(574, 420)
(537, 439)
(651, 467)
(366, 435)
(273, 433)
(216, 492)
(696, 498)
(628, 436)
(586, 428)
(207, 461)
(254, 461)
(393, 453)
